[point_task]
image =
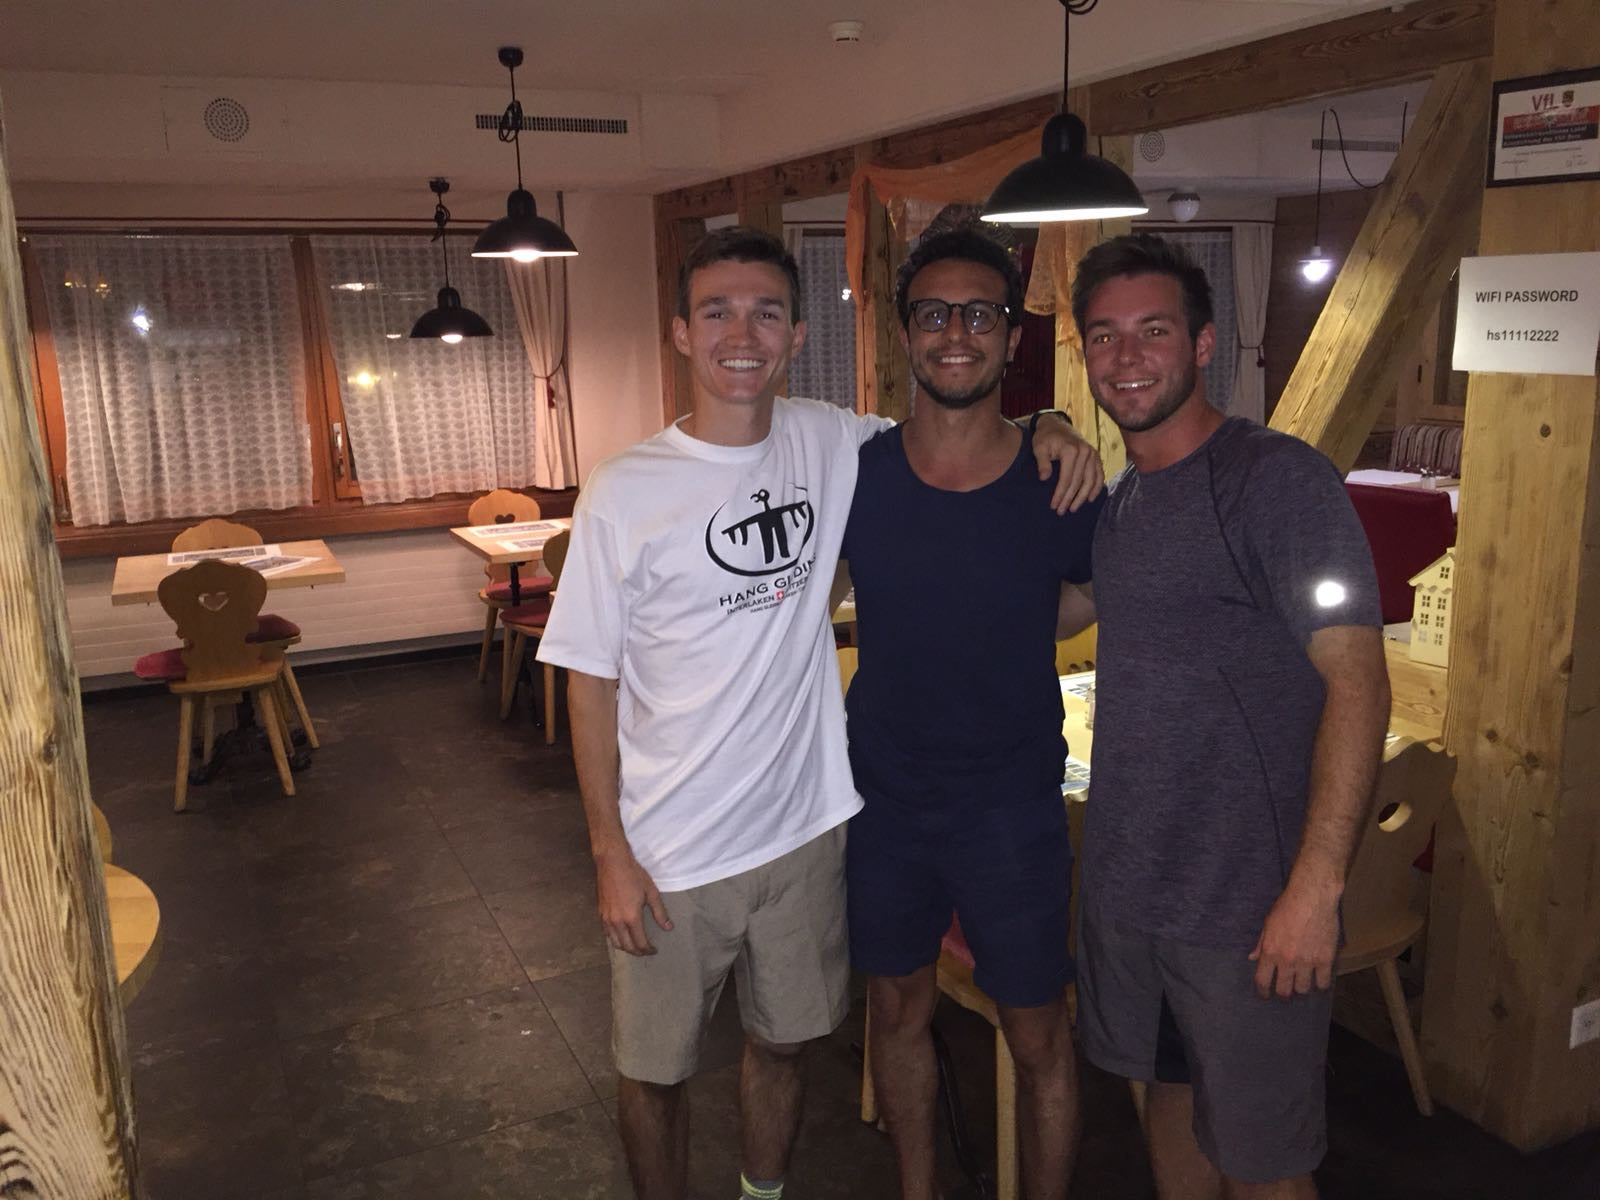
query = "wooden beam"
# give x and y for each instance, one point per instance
(1422, 220)
(1368, 50)
(675, 237)
(66, 1104)
(1513, 943)
(1363, 51)
(883, 375)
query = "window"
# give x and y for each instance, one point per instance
(185, 376)
(183, 388)
(424, 418)
(825, 368)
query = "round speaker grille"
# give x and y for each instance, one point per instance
(1152, 146)
(227, 120)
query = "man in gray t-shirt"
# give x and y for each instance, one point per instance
(1241, 703)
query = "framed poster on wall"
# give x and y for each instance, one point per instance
(1546, 129)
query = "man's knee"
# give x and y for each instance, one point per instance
(902, 1004)
(776, 1053)
(1040, 1039)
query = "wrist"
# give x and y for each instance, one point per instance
(1034, 419)
(1316, 881)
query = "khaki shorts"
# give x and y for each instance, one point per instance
(780, 927)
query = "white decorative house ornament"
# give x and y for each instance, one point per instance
(1432, 607)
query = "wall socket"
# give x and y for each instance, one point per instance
(1585, 1024)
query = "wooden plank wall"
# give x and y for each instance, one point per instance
(66, 1100)
(1515, 938)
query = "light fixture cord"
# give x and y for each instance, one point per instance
(1074, 8)
(441, 218)
(1322, 141)
(511, 124)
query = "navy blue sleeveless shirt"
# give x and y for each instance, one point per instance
(955, 702)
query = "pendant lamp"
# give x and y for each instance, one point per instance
(522, 234)
(1317, 266)
(1066, 182)
(448, 321)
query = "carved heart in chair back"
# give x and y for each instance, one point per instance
(505, 518)
(213, 601)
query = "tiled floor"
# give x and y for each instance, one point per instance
(393, 986)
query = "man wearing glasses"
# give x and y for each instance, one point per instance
(964, 578)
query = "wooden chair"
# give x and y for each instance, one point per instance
(1380, 919)
(271, 629)
(501, 507)
(528, 620)
(215, 605)
(1077, 653)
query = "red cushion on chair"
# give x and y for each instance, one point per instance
(163, 665)
(533, 614)
(540, 585)
(955, 943)
(270, 627)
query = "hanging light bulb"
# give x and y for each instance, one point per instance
(522, 234)
(1317, 266)
(1066, 182)
(447, 320)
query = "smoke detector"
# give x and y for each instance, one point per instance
(845, 31)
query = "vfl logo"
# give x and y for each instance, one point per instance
(764, 542)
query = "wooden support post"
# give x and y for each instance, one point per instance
(1422, 220)
(1514, 937)
(66, 1105)
(883, 375)
(675, 237)
(1072, 382)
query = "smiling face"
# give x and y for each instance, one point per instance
(954, 367)
(740, 333)
(1142, 364)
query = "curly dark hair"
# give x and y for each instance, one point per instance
(967, 244)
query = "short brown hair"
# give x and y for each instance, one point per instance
(739, 243)
(1143, 254)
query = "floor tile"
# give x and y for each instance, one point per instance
(216, 1124)
(357, 969)
(552, 928)
(382, 1089)
(571, 1155)
(538, 847)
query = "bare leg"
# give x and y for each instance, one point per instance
(904, 1073)
(772, 1091)
(655, 1136)
(1182, 1171)
(1040, 1040)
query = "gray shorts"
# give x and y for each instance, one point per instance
(1256, 1065)
(779, 927)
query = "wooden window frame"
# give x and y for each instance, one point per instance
(336, 506)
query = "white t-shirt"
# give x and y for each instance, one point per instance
(698, 577)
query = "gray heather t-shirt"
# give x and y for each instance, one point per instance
(1210, 577)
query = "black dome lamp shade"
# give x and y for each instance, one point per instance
(522, 234)
(448, 320)
(1066, 182)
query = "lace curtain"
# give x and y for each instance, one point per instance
(182, 374)
(825, 368)
(1252, 274)
(539, 294)
(1212, 251)
(425, 417)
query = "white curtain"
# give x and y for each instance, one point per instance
(1212, 251)
(424, 417)
(539, 295)
(1252, 272)
(182, 374)
(825, 368)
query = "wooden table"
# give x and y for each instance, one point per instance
(135, 930)
(137, 577)
(488, 542)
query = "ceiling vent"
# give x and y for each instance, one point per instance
(226, 119)
(536, 124)
(1152, 146)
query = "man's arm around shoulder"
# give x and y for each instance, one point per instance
(624, 888)
(1299, 940)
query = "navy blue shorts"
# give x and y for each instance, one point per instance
(1006, 870)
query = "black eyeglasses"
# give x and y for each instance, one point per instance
(979, 316)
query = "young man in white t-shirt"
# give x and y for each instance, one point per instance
(708, 725)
